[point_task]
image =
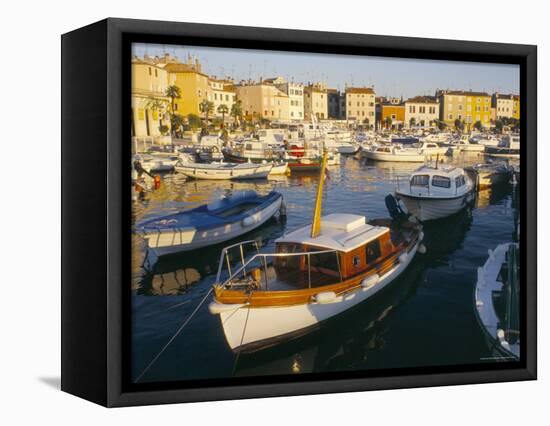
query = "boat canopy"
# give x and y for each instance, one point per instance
(339, 231)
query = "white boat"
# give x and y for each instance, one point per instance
(280, 168)
(435, 192)
(153, 163)
(489, 174)
(316, 272)
(430, 148)
(509, 147)
(463, 144)
(210, 148)
(488, 140)
(253, 150)
(341, 146)
(223, 171)
(497, 301)
(394, 153)
(209, 224)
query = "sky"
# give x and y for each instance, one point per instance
(390, 76)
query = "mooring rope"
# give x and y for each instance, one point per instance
(242, 338)
(174, 336)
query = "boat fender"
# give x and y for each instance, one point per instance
(250, 220)
(420, 236)
(282, 209)
(325, 297)
(403, 258)
(218, 308)
(422, 249)
(370, 281)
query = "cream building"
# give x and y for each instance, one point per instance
(421, 111)
(150, 106)
(263, 100)
(360, 105)
(295, 92)
(222, 92)
(315, 101)
(466, 106)
(506, 106)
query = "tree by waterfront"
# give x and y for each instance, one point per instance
(206, 107)
(223, 109)
(176, 121)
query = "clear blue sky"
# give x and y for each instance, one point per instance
(390, 76)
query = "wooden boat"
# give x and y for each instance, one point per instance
(497, 301)
(489, 174)
(434, 192)
(315, 273)
(224, 171)
(209, 224)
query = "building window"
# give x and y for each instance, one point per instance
(156, 73)
(150, 71)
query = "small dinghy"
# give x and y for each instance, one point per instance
(497, 296)
(209, 224)
(316, 272)
(490, 174)
(434, 192)
(224, 171)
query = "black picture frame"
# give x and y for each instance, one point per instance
(96, 208)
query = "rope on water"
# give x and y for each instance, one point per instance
(157, 356)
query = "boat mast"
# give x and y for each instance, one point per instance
(316, 224)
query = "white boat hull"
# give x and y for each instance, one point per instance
(245, 326)
(425, 209)
(253, 172)
(487, 283)
(398, 158)
(175, 241)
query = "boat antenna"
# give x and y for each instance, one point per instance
(437, 160)
(316, 224)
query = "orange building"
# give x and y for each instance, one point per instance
(391, 116)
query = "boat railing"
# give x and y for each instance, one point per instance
(263, 258)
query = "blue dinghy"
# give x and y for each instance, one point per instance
(209, 224)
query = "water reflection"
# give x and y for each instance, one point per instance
(424, 318)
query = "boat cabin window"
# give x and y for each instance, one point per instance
(441, 181)
(420, 180)
(373, 251)
(460, 181)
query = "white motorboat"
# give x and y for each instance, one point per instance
(497, 296)
(253, 150)
(395, 153)
(157, 163)
(223, 171)
(209, 224)
(509, 147)
(488, 140)
(209, 148)
(434, 192)
(463, 144)
(316, 272)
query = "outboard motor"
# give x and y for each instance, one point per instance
(394, 208)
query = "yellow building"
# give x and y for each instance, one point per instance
(466, 106)
(193, 85)
(150, 106)
(360, 105)
(263, 100)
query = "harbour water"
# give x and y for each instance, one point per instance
(425, 318)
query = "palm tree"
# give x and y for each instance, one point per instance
(236, 111)
(206, 108)
(223, 109)
(173, 92)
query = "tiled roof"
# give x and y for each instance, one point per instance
(465, 93)
(367, 90)
(422, 100)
